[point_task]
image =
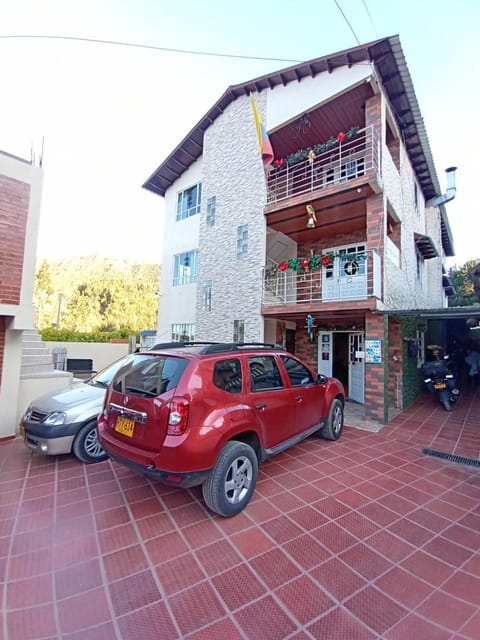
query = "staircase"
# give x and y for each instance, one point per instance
(37, 360)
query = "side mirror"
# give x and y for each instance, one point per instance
(321, 378)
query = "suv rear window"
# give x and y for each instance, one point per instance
(149, 376)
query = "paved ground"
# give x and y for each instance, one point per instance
(363, 538)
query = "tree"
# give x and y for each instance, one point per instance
(465, 294)
(99, 294)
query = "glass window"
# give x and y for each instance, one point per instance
(211, 209)
(239, 330)
(227, 375)
(149, 376)
(185, 268)
(183, 332)
(207, 296)
(297, 373)
(189, 202)
(242, 241)
(264, 373)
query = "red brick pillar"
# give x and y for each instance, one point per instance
(376, 374)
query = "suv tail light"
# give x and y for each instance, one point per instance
(177, 416)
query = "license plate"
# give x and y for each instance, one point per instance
(21, 431)
(440, 385)
(125, 426)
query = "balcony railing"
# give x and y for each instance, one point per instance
(351, 159)
(347, 278)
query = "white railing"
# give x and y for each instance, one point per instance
(351, 159)
(355, 279)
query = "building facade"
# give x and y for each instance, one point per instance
(317, 250)
(20, 196)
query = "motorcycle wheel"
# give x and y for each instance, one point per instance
(444, 399)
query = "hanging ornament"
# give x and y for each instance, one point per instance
(279, 163)
(311, 156)
(341, 137)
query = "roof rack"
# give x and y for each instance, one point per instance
(218, 347)
(178, 345)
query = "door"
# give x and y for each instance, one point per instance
(325, 352)
(275, 417)
(345, 278)
(356, 367)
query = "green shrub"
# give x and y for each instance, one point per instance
(63, 335)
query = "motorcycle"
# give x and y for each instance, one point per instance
(440, 380)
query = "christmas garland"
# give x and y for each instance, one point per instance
(311, 152)
(314, 263)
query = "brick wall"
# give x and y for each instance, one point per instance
(2, 345)
(14, 203)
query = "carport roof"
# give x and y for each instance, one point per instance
(447, 313)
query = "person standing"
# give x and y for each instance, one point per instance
(472, 360)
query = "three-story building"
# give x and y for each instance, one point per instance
(314, 250)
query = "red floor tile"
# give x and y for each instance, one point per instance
(362, 538)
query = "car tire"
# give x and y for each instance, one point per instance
(334, 425)
(232, 481)
(86, 446)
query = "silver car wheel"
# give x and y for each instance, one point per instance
(238, 479)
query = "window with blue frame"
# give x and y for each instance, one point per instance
(189, 202)
(185, 268)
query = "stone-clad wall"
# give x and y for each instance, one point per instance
(233, 172)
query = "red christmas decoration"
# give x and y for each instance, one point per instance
(340, 137)
(282, 266)
(278, 163)
(304, 264)
(325, 261)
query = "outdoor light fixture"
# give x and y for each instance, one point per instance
(312, 218)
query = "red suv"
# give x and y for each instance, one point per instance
(204, 414)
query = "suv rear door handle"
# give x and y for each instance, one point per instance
(261, 407)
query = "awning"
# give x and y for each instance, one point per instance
(425, 246)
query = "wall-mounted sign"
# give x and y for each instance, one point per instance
(373, 351)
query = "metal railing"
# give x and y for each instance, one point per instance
(352, 279)
(351, 159)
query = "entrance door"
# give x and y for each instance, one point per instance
(356, 367)
(325, 352)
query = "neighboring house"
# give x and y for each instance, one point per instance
(26, 367)
(317, 250)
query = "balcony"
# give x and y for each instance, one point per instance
(346, 278)
(333, 170)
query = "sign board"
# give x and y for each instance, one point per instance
(373, 351)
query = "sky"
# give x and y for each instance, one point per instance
(110, 114)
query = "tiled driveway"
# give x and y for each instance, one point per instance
(363, 538)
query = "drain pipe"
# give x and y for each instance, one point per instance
(451, 189)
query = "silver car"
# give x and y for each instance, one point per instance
(65, 421)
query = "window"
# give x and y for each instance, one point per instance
(415, 196)
(227, 375)
(207, 296)
(264, 373)
(242, 241)
(189, 202)
(150, 376)
(183, 332)
(211, 209)
(185, 268)
(239, 330)
(298, 374)
(420, 267)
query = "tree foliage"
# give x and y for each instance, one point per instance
(465, 293)
(96, 294)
